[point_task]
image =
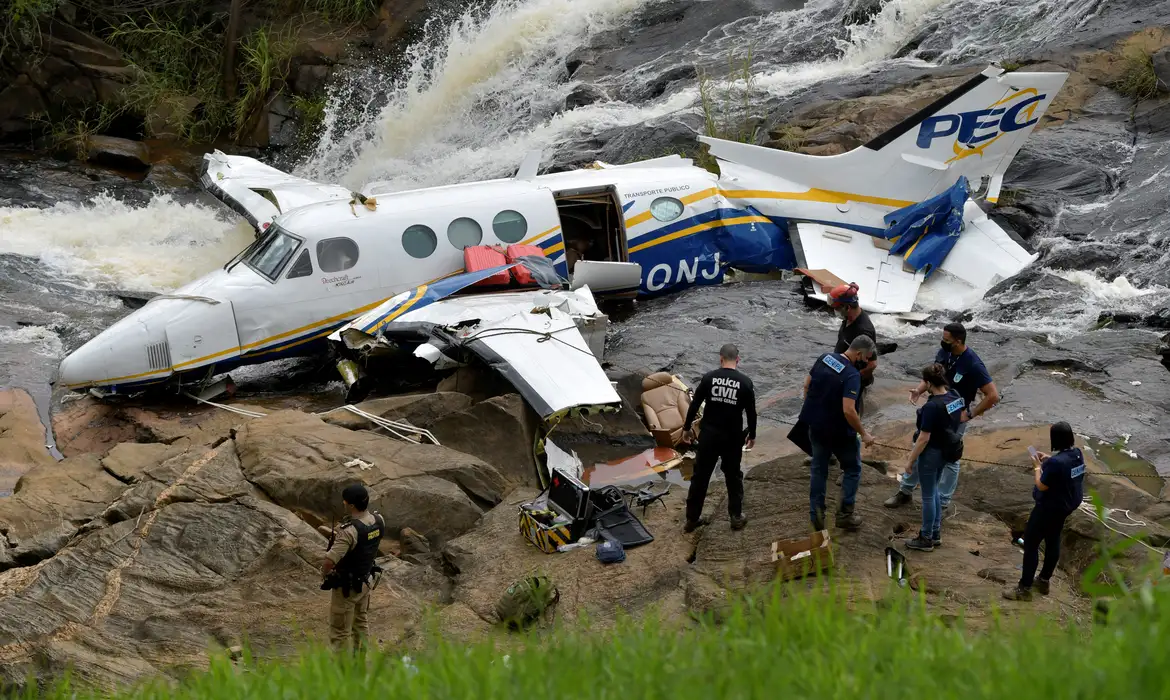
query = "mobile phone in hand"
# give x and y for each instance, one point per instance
(1032, 451)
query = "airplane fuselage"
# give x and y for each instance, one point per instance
(318, 266)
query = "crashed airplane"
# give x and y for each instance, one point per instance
(897, 216)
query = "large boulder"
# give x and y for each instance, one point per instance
(49, 505)
(87, 426)
(1161, 61)
(22, 438)
(118, 153)
(501, 431)
(151, 596)
(301, 463)
(420, 410)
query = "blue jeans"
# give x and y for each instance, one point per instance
(848, 452)
(948, 479)
(928, 469)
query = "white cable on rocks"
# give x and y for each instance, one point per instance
(391, 426)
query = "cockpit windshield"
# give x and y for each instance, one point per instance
(272, 252)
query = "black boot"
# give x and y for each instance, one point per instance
(848, 520)
(898, 499)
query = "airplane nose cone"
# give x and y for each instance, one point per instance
(84, 366)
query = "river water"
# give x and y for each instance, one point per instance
(480, 87)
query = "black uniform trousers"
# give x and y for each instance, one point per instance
(729, 452)
(1044, 525)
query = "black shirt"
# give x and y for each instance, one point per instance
(941, 416)
(833, 378)
(1064, 475)
(728, 393)
(966, 373)
(850, 331)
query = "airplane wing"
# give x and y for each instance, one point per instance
(533, 338)
(259, 192)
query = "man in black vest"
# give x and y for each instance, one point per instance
(349, 568)
(728, 394)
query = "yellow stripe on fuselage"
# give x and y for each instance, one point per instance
(539, 236)
(700, 227)
(818, 195)
(812, 195)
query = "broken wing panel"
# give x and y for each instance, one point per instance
(985, 254)
(545, 357)
(420, 297)
(259, 192)
(885, 286)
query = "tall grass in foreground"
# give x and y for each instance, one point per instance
(815, 646)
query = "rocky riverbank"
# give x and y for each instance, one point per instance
(165, 534)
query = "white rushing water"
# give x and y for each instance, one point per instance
(475, 94)
(107, 244)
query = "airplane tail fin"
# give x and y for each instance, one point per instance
(973, 131)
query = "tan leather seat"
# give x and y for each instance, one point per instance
(665, 401)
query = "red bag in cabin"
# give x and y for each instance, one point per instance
(521, 273)
(483, 257)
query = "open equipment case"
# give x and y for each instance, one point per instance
(568, 510)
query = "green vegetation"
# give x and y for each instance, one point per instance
(817, 645)
(312, 113)
(178, 49)
(342, 11)
(1009, 66)
(71, 135)
(727, 105)
(20, 21)
(1140, 81)
(264, 59)
(789, 138)
(807, 638)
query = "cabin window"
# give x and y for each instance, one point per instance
(336, 254)
(419, 241)
(273, 252)
(303, 267)
(510, 226)
(464, 232)
(666, 209)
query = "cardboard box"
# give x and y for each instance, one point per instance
(808, 556)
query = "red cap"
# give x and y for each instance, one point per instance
(845, 294)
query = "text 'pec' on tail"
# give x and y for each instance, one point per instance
(974, 131)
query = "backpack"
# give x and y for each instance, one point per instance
(610, 552)
(525, 601)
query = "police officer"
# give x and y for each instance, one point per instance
(349, 569)
(936, 442)
(728, 394)
(830, 411)
(1058, 492)
(854, 322)
(968, 376)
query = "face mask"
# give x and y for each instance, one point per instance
(947, 345)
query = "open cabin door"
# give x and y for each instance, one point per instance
(594, 232)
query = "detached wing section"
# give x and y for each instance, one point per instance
(541, 341)
(259, 192)
(945, 246)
